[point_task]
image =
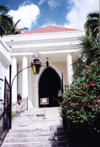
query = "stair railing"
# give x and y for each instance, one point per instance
(18, 108)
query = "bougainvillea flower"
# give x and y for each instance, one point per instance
(65, 100)
(93, 84)
(85, 70)
(82, 120)
(87, 66)
(81, 91)
(89, 84)
(93, 105)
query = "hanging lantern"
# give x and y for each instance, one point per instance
(36, 64)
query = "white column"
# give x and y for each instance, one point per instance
(36, 97)
(69, 68)
(13, 73)
(30, 84)
(24, 77)
(19, 80)
(7, 76)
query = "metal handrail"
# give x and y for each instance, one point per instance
(16, 108)
(20, 101)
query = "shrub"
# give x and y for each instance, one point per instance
(80, 102)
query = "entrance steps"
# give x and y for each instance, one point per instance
(32, 129)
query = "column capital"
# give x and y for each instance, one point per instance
(24, 56)
(69, 54)
(13, 57)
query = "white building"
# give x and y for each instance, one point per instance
(5, 61)
(59, 45)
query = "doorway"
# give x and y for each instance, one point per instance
(50, 87)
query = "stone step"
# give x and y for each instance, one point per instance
(36, 132)
(40, 117)
(31, 129)
(36, 125)
(41, 124)
(36, 144)
(30, 145)
(37, 120)
(43, 120)
(41, 110)
(39, 114)
(51, 114)
(35, 138)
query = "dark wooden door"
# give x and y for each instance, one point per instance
(50, 86)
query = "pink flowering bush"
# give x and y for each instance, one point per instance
(80, 102)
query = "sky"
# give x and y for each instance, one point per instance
(35, 14)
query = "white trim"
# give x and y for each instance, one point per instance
(4, 53)
(41, 35)
(46, 52)
(4, 45)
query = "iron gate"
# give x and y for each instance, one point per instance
(5, 117)
(7, 105)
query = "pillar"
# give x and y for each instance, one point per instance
(24, 77)
(69, 68)
(13, 73)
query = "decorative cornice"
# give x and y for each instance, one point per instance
(4, 45)
(46, 52)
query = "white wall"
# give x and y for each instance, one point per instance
(5, 61)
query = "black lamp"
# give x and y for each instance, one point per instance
(36, 64)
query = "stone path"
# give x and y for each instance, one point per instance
(32, 129)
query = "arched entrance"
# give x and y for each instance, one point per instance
(50, 87)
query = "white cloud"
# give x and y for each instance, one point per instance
(78, 13)
(28, 15)
(53, 3)
(41, 2)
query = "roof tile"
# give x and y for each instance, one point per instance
(49, 29)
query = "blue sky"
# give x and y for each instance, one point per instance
(35, 14)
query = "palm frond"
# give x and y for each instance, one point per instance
(92, 23)
(3, 9)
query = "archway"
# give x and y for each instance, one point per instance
(50, 87)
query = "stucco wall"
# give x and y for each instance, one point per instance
(5, 61)
(62, 67)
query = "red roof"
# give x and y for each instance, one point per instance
(49, 29)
